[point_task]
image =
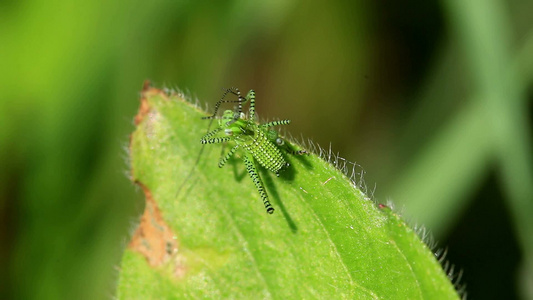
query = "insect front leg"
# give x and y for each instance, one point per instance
(252, 171)
(206, 139)
(210, 134)
(216, 140)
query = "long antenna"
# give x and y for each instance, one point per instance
(232, 90)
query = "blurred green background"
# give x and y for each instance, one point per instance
(432, 98)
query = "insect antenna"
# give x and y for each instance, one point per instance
(191, 171)
(234, 91)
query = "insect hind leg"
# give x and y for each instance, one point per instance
(252, 171)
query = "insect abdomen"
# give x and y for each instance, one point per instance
(265, 152)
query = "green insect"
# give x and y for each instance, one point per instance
(260, 144)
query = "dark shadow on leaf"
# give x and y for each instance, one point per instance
(239, 172)
(301, 157)
(273, 193)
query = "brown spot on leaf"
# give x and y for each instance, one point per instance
(153, 238)
(147, 92)
(144, 108)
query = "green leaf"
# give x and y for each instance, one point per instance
(205, 232)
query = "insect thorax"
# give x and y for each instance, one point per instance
(254, 140)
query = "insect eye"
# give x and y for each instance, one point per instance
(242, 115)
(228, 131)
(279, 141)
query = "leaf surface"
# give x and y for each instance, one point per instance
(205, 232)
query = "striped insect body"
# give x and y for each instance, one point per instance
(260, 144)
